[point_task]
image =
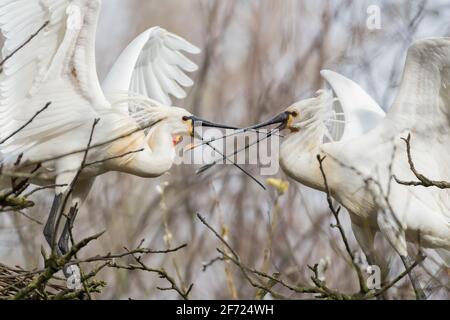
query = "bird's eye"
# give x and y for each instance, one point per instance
(294, 114)
(185, 118)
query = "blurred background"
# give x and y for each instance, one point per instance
(258, 57)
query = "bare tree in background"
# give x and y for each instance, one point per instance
(258, 56)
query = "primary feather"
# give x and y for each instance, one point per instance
(57, 66)
(153, 65)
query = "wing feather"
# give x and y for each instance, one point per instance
(57, 66)
(422, 109)
(423, 99)
(153, 65)
(361, 112)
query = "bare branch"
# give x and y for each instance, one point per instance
(22, 45)
(26, 124)
(362, 284)
(423, 181)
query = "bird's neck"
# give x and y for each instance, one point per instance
(156, 158)
(298, 158)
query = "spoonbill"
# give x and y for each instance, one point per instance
(361, 167)
(86, 130)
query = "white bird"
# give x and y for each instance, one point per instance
(360, 167)
(137, 134)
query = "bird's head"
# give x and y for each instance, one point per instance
(176, 121)
(153, 117)
(182, 118)
(304, 114)
(183, 123)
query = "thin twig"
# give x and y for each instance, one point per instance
(123, 155)
(423, 181)
(26, 124)
(144, 251)
(22, 45)
(218, 236)
(396, 279)
(50, 186)
(72, 185)
(335, 212)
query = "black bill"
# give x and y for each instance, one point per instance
(199, 122)
(280, 119)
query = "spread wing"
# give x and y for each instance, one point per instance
(423, 100)
(360, 112)
(153, 65)
(422, 109)
(422, 106)
(50, 51)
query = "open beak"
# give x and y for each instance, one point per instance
(199, 122)
(282, 119)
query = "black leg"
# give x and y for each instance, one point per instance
(49, 229)
(63, 243)
(62, 247)
(413, 276)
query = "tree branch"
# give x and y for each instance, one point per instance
(423, 181)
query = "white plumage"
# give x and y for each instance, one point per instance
(361, 112)
(58, 66)
(360, 167)
(158, 66)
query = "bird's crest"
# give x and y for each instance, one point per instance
(318, 114)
